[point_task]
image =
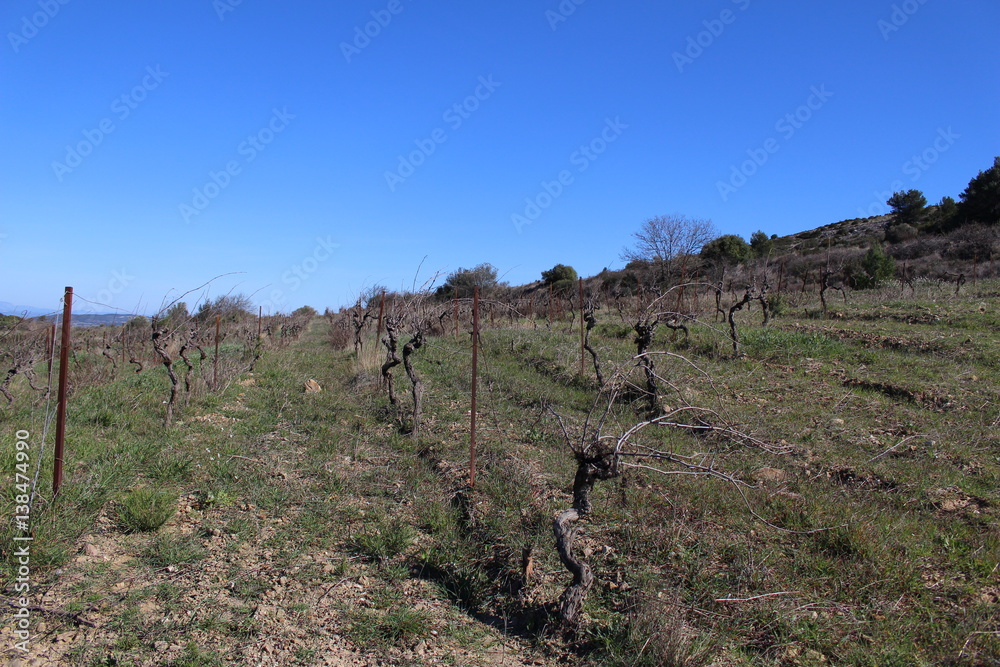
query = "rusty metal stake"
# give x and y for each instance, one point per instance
(582, 335)
(57, 467)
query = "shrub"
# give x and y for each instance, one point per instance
(558, 274)
(901, 232)
(777, 304)
(730, 249)
(972, 242)
(462, 282)
(872, 270)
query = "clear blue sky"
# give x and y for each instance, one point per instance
(112, 115)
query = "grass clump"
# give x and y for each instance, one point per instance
(195, 657)
(385, 540)
(144, 510)
(399, 626)
(167, 550)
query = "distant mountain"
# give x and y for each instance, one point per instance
(80, 319)
(89, 320)
(8, 308)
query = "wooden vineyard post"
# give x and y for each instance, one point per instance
(51, 351)
(260, 320)
(381, 310)
(215, 361)
(582, 335)
(475, 368)
(57, 466)
(695, 279)
(455, 314)
(680, 289)
(549, 309)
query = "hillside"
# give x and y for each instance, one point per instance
(312, 528)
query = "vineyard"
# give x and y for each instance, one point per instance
(767, 470)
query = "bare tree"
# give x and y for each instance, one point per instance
(665, 238)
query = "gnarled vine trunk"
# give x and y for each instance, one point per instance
(733, 333)
(392, 358)
(160, 342)
(644, 330)
(418, 386)
(591, 323)
(601, 464)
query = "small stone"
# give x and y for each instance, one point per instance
(312, 387)
(814, 657)
(770, 475)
